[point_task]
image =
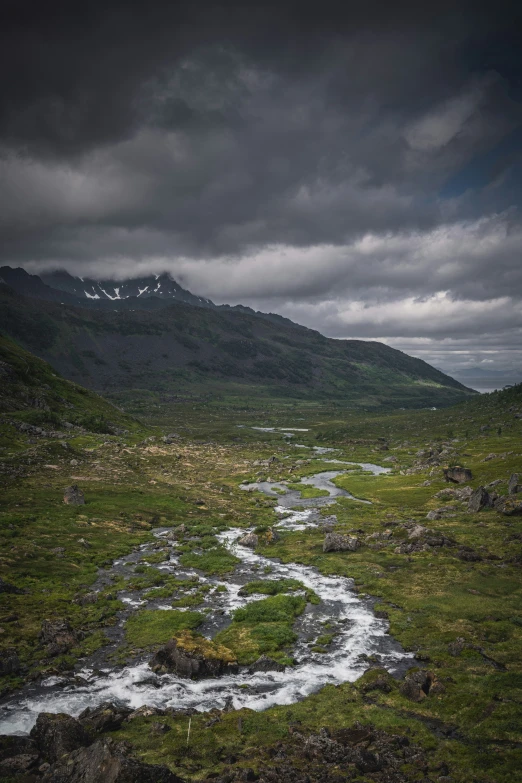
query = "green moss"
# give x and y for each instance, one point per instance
(150, 627)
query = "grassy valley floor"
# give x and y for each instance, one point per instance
(450, 584)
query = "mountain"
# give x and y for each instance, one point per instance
(161, 286)
(181, 348)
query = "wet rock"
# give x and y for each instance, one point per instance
(6, 587)
(458, 475)
(189, 655)
(74, 496)
(9, 662)
(105, 717)
(335, 542)
(514, 484)
(250, 540)
(21, 764)
(266, 664)
(109, 762)
(144, 712)
(58, 636)
(417, 684)
(479, 499)
(57, 735)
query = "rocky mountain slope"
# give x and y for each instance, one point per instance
(181, 347)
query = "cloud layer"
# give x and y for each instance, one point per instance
(355, 171)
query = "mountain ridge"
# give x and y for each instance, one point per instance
(181, 347)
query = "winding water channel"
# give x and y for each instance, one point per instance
(358, 633)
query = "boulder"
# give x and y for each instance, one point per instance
(417, 532)
(417, 684)
(509, 506)
(57, 636)
(266, 664)
(335, 542)
(9, 662)
(191, 655)
(57, 735)
(6, 587)
(105, 717)
(74, 496)
(479, 499)
(458, 475)
(251, 540)
(107, 761)
(514, 484)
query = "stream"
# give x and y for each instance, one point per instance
(358, 634)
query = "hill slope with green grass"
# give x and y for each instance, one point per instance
(185, 349)
(33, 397)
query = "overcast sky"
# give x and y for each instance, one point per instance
(354, 166)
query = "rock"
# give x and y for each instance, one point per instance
(514, 484)
(251, 540)
(57, 635)
(107, 761)
(22, 764)
(455, 648)
(144, 712)
(6, 587)
(74, 496)
(266, 664)
(106, 717)
(479, 499)
(417, 532)
(159, 728)
(468, 555)
(458, 475)
(509, 506)
(417, 684)
(86, 600)
(190, 655)
(57, 735)
(84, 543)
(440, 513)
(9, 662)
(335, 542)
(73, 463)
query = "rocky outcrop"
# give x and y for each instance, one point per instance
(266, 664)
(105, 717)
(9, 662)
(418, 684)
(193, 656)
(250, 540)
(514, 484)
(74, 496)
(335, 542)
(458, 475)
(509, 506)
(107, 761)
(57, 636)
(57, 735)
(479, 499)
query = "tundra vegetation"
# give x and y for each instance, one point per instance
(447, 578)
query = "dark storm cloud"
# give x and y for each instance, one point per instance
(355, 166)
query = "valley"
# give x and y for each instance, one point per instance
(319, 544)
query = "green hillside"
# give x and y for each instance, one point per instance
(38, 402)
